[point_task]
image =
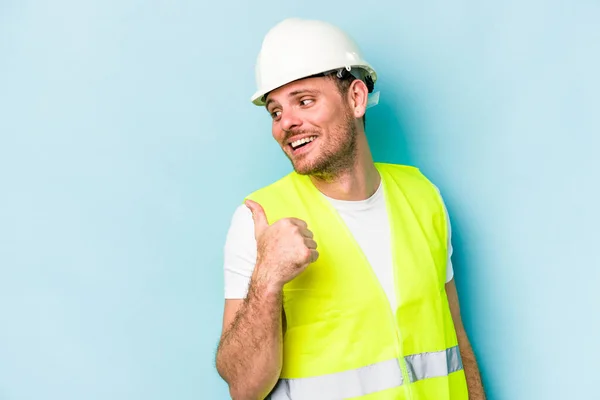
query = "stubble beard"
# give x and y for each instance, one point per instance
(339, 157)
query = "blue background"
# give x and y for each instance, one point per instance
(128, 139)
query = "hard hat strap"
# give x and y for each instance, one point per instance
(347, 72)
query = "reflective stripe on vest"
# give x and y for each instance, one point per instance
(431, 365)
(370, 379)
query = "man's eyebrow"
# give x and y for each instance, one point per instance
(294, 93)
(269, 101)
(303, 91)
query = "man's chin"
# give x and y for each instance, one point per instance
(302, 168)
(303, 165)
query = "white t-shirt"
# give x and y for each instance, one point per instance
(366, 219)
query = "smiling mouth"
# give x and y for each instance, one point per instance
(297, 144)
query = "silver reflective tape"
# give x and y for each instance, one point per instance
(434, 364)
(341, 385)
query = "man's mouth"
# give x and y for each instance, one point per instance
(300, 143)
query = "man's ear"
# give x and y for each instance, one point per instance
(359, 94)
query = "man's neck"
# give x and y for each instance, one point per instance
(356, 183)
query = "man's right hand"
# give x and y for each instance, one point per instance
(284, 249)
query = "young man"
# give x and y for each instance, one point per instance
(338, 276)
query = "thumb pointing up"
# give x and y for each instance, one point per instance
(259, 217)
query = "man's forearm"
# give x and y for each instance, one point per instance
(249, 357)
(471, 368)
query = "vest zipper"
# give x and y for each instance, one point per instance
(399, 349)
(402, 360)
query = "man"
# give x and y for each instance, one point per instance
(338, 276)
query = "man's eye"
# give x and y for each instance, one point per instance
(275, 114)
(306, 102)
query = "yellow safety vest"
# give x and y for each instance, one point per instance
(343, 340)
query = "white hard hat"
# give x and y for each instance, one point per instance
(298, 48)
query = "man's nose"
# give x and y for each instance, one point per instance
(290, 120)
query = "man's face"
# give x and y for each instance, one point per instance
(314, 126)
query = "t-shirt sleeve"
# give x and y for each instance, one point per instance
(449, 267)
(239, 254)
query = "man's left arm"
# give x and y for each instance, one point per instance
(470, 366)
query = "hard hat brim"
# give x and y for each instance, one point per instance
(259, 96)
